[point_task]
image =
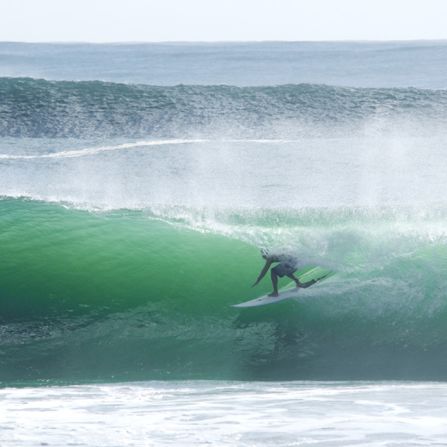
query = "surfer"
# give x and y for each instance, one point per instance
(287, 267)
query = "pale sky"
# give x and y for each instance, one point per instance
(221, 20)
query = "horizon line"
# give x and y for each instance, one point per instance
(143, 42)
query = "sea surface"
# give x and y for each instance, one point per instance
(138, 183)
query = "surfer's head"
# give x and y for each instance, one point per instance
(265, 253)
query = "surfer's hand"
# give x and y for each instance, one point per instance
(255, 283)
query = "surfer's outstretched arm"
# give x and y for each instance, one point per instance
(264, 270)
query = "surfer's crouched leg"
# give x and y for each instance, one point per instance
(286, 269)
(297, 281)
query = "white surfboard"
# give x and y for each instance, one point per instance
(290, 291)
(263, 300)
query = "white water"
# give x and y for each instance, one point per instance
(226, 414)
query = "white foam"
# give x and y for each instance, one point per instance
(226, 414)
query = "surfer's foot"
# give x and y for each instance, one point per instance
(274, 294)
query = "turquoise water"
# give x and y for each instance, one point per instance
(122, 295)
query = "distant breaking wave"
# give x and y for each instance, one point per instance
(117, 147)
(39, 108)
(96, 150)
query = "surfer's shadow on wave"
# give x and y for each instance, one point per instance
(263, 345)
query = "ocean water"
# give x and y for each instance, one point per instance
(137, 185)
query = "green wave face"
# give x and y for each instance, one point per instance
(122, 295)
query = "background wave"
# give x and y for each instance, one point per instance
(38, 108)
